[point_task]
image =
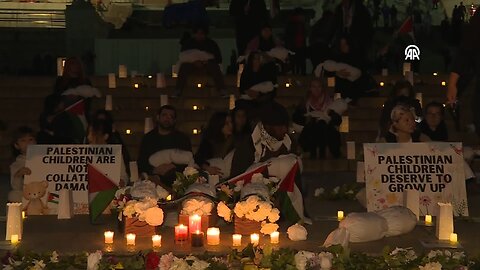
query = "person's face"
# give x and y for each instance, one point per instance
(240, 120)
(277, 131)
(166, 119)
(227, 129)
(406, 123)
(22, 143)
(433, 116)
(315, 89)
(96, 138)
(344, 48)
(256, 62)
(266, 33)
(404, 92)
(200, 35)
(74, 69)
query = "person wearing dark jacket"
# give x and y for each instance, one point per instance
(200, 41)
(433, 125)
(317, 133)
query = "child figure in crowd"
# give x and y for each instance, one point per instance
(403, 127)
(22, 138)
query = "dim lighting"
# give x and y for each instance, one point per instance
(146, 108)
(287, 85)
(128, 132)
(382, 84)
(444, 83)
(199, 85)
(195, 107)
(169, 197)
(435, 73)
(135, 86)
(444, 105)
(195, 131)
(150, 76)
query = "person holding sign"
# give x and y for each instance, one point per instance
(403, 127)
(23, 137)
(161, 147)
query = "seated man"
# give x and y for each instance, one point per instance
(200, 42)
(161, 149)
(271, 146)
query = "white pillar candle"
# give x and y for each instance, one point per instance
(428, 220)
(340, 215)
(65, 204)
(444, 221)
(453, 238)
(350, 150)
(444, 83)
(275, 238)
(133, 171)
(174, 71)
(409, 77)
(254, 239)
(344, 126)
(411, 200)
(24, 215)
(384, 72)
(331, 81)
(239, 74)
(131, 239)
(231, 102)
(14, 220)
(108, 235)
(435, 74)
(136, 85)
(108, 103)
(122, 71)
(161, 83)
(194, 131)
(128, 131)
(112, 80)
(60, 66)
(14, 239)
(337, 96)
(148, 125)
(156, 241)
(163, 100)
(213, 236)
(199, 85)
(236, 240)
(407, 67)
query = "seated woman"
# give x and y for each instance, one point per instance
(217, 142)
(403, 127)
(433, 125)
(402, 94)
(257, 84)
(241, 123)
(318, 133)
(263, 42)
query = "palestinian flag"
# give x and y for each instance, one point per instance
(76, 113)
(246, 176)
(52, 198)
(407, 27)
(101, 191)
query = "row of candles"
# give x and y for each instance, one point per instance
(196, 238)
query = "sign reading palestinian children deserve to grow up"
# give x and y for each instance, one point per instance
(57, 167)
(435, 169)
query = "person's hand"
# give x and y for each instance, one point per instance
(252, 93)
(22, 172)
(212, 170)
(343, 73)
(164, 168)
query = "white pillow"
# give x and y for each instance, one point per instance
(85, 91)
(190, 56)
(333, 66)
(263, 87)
(175, 156)
(400, 220)
(280, 53)
(340, 236)
(224, 164)
(364, 227)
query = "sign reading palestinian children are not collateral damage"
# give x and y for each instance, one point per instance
(435, 169)
(57, 167)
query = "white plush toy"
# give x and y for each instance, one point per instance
(263, 87)
(400, 220)
(339, 106)
(174, 156)
(190, 56)
(340, 236)
(280, 53)
(332, 66)
(85, 91)
(224, 164)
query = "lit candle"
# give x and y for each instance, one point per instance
(14, 239)
(231, 102)
(274, 237)
(169, 197)
(150, 76)
(444, 83)
(344, 126)
(128, 132)
(181, 233)
(163, 100)
(146, 108)
(254, 239)
(122, 71)
(197, 239)
(108, 237)
(195, 107)
(108, 103)
(453, 238)
(382, 84)
(135, 86)
(174, 71)
(213, 236)
(24, 215)
(340, 215)
(428, 219)
(60, 65)
(199, 85)
(287, 85)
(156, 241)
(131, 239)
(194, 223)
(236, 240)
(195, 131)
(435, 73)
(331, 81)
(112, 83)
(351, 150)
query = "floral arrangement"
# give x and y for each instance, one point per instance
(344, 192)
(255, 209)
(251, 257)
(145, 209)
(197, 205)
(184, 180)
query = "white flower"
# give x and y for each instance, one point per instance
(297, 232)
(189, 171)
(325, 260)
(166, 261)
(252, 200)
(410, 255)
(302, 258)
(434, 253)
(238, 186)
(268, 228)
(224, 212)
(397, 250)
(199, 265)
(54, 257)
(142, 206)
(274, 179)
(93, 260)
(239, 210)
(197, 205)
(7, 267)
(274, 215)
(431, 266)
(319, 191)
(336, 190)
(129, 210)
(257, 178)
(458, 255)
(179, 264)
(162, 193)
(264, 209)
(154, 216)
(38, 265)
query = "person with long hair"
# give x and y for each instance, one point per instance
(241, 122)
(318, 134)
(264, 41)
(433, 125)
(73, 75)
(217, 142)
(403, 127)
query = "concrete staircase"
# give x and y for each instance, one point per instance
(22, 102)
